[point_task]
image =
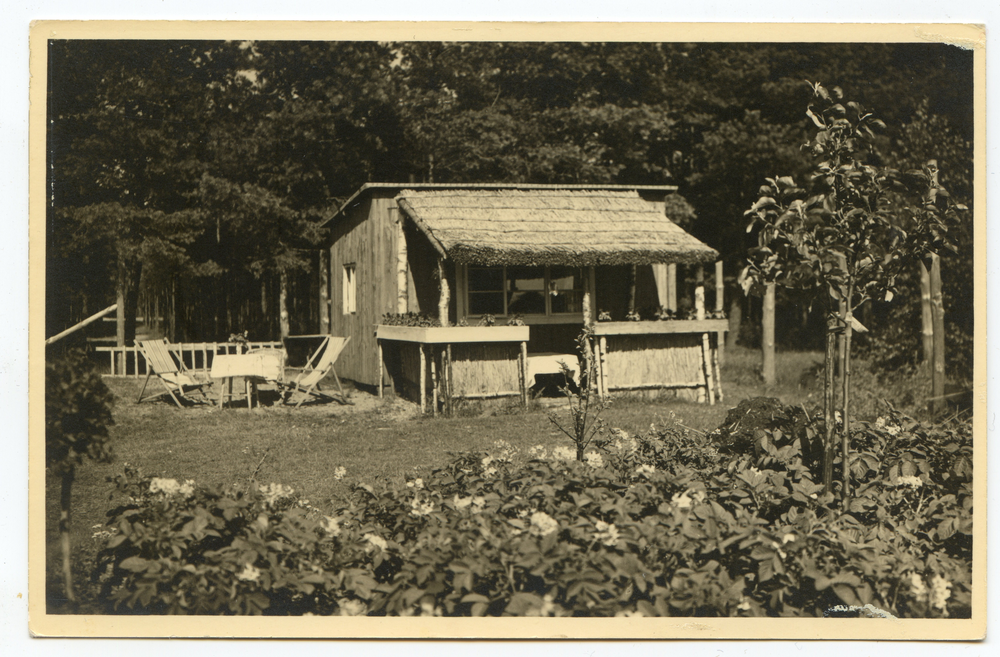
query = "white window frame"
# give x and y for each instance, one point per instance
(350, 289)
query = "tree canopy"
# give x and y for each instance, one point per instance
(174, 164)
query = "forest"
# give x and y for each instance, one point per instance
(188, 180)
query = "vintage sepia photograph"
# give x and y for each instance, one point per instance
(588, 329)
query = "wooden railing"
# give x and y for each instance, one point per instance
(129, 361)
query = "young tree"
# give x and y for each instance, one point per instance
(846, 236)
(77, 415)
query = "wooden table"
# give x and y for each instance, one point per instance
(250, 367)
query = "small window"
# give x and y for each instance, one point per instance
(486, 291)
(350, 289)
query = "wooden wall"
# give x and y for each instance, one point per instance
(367, 238)
(665, 360)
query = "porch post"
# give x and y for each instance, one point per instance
(445, 298)
(324, 291)
(706, 347)
(720, 294)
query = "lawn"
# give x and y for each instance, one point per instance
(378, 438)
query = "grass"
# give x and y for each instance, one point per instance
(378, 438)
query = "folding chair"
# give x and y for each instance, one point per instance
(320, 364)
(170, 371)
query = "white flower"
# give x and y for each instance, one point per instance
(542, 524)
(489, 472)
(330, 525)
(606, 534)
(339, 473)
(486, 461)
(880, 423)
(273, 493)
(249, 574)
(563, 453)
(462, 502)
(427, 608)
(744, 604)
(645, 470)
(917, 587)
(593, 459)
(165, 486)
(681, 500)
(374, 540)
(910, 481)
(504, 450)
(787, 538)
(940, 592)
(417, 484)
(420, 508)
(187, 488)
(892, 430)
(351, 607)
(538, 452)
(478, 503)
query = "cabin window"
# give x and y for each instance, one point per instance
(350, 289)
(523, 290)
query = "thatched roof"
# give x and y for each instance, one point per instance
(550, 227)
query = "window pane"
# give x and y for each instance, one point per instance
(526, 290)
(566, 289)
(481, 303)
(482, 279)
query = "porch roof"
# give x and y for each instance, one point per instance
(582, 227)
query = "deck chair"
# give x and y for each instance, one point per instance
(320, 364)
(170, 371)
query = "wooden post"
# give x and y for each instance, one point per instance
(715, 363)
(120, 323)
(767, 339)
(706, 347)
(434, 383)
(449, 389)
(324, 291)
(402, 285)
(423, 377)
(937, 306)
(379, 377)
(603, 362)
(672, 287)
(926, 314)
(445, 298)
(720, 301)
(524, 374)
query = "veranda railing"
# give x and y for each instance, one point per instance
(129, 361)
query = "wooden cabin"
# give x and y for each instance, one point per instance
(556, 257)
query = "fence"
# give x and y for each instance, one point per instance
(129, 361)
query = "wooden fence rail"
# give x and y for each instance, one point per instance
(194, 355)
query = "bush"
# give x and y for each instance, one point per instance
(660, 523)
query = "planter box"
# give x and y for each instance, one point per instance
(452, 334)
(660, 327)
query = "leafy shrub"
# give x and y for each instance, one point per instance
(660, 523)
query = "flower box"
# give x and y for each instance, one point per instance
(452, 334)
(664, 326)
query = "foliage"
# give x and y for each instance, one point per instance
(77, 413)
(654, 524)
(849, 235)
(585, 403)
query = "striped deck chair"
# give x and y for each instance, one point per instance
(170, 371)
(319, 366)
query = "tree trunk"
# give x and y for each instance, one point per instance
(64, 538)
(767, 339)
(828, 403)
(937, 306)
(846, 399)
(735, 320)
(283, 304)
